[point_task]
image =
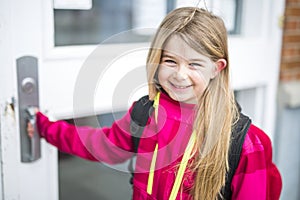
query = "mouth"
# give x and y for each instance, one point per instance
(180, 86)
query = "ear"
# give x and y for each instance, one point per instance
(220, 65)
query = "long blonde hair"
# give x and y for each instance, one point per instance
(216, 110)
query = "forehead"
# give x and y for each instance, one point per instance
(177, 46)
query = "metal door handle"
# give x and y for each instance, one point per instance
(28, 101)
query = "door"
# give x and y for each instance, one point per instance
(27, 28)
(20, 32)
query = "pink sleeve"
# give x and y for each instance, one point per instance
(110, 145)
(256, 176)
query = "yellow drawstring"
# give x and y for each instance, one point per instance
(183, 163)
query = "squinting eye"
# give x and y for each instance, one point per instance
(195, 65)
(169, 62)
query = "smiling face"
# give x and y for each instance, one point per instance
(183, 72)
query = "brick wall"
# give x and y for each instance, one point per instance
(290, 58)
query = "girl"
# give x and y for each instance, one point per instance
(184, 149)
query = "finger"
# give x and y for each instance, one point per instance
(30, 129)
(30, 133)
(29, 126)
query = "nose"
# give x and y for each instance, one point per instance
(181, 72)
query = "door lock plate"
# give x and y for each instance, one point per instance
(28, 98)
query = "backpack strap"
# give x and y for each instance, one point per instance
(140, 114)
(238, 134)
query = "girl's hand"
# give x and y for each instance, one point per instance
(30, 125)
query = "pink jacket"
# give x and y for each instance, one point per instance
(256, 176)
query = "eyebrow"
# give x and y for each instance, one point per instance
(164, 54)
(167, 54)
(197, 59)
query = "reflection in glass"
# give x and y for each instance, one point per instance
(232, 10)
(108, 18)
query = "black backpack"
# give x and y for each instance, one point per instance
(142, 110)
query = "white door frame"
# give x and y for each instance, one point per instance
(21, 181)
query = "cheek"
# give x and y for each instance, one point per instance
(159, 75)
(163, 74)
(201, 79)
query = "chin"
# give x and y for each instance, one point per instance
(183, 99)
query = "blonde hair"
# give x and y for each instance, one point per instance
(216, 110)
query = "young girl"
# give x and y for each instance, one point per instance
(184, 149)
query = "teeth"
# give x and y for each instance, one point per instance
(180, 87)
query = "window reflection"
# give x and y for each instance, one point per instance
(105, 19)
(108, 18)
(232, 14)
